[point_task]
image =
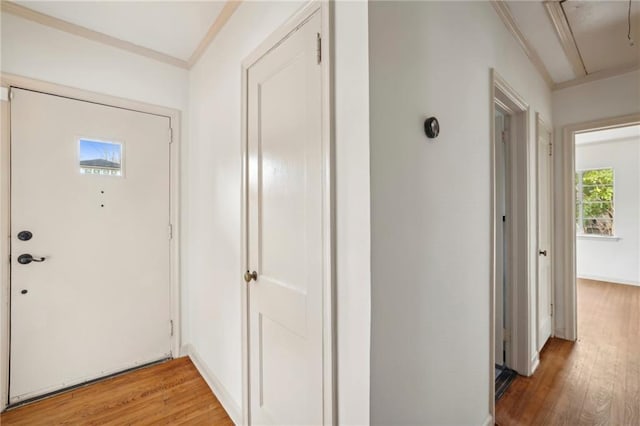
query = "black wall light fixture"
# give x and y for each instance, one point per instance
(431, 127)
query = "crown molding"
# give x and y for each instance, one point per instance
(600, 75)
(565, 36)
(215, 28)
(503, 11)
(77, 30)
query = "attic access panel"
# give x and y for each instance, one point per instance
(600, 31)
(100, 157)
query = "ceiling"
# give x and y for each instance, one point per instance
(596, 31)
(600, 31)
(174, 28)
(594, 43)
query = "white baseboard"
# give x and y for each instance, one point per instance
(534, 363)
(488, 421)
(609, 280)
(217, 388)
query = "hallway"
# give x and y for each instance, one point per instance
(593, 381)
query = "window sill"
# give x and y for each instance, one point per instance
(598, 237)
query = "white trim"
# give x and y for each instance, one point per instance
(77, 30)
(535, 362)
(599, 75)
(503, 11)
(608, 141)
(566, 253)
(518, 231)
(488, 421)
(5, 251)
(329, 345)
(221, 393)
(598, 237)
(174, 116)
(565, 36)
(609, 280)
(215, 28)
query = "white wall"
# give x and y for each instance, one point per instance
(213, 266)
(39, 52)
(431, 205)
(611, 97)
(616, 260)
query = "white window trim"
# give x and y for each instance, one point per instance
(598, 237)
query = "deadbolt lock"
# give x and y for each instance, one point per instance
(248, 276)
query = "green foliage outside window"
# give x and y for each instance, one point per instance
(594, 202)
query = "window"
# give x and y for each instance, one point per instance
(100, 158)
(594, 202)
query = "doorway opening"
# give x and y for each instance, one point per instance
(511, 313)
(72, 295)
(607, 208)
(599, 224)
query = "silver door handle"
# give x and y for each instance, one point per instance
(25, 259)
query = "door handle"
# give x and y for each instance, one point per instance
(248, 276)
(543, 252)
(25, 259)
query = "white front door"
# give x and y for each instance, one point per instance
(90, 206)
(544, 235)
(285, 232)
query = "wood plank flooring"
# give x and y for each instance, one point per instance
(594, 381)
(171, 393)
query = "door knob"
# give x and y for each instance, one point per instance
(25, 259)
(543, 252)
(248, 276)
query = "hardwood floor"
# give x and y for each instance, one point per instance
(172, 393)
(594, 381)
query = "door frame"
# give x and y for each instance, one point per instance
(567, 281)
(541, 125)
(7, 81)
(519, 231)
(325, 9)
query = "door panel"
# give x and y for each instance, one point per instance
(544, 236)
(500, 238)
(99, 303)
(285, 227)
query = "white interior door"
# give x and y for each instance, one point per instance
(544, 236)
(500, 213)
(91, 185)
(285, 231)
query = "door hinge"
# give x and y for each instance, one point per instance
(171, 322)
(550, 149)
(170, 135)
(170, 231)
(552, 309)
(506, 335)
(319, 47)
